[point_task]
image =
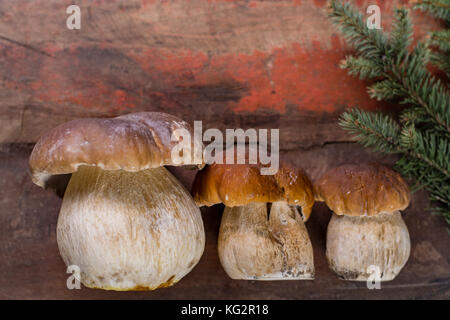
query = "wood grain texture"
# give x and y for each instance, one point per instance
(263, 64)
(31, 267)
(246, 64)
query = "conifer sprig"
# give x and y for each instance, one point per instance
(437, 8)
(440, 40)
(399, 74)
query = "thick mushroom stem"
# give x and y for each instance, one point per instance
(361, 247)
(129, 230)
(257, 242)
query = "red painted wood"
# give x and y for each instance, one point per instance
(224, 62)
(259, 64)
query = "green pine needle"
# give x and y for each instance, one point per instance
(437, 8)
(362, 67)
(385, 90)
(375, 130)
(422, 135)
(441, 39)
(370, 43)
(402, 32)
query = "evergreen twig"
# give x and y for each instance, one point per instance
(437, 8)
(422, 135)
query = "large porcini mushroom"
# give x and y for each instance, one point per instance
(366, 234)
(262, 235)
(125, 221)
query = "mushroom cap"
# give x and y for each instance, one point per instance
(362, 190)
(132, 142)
(240, 184)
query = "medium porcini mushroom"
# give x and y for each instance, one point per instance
(366, 228)
(125, 221)
(262, 235)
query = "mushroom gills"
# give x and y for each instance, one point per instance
(361, 248)
(129, 230)
(256, 245)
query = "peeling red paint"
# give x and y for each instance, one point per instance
(308, 79)
(298, 76)
(286, 76)
(320, 3)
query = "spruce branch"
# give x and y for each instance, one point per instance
(375, 130)
(370, 43)
(414, 115)
(385, 90)
(437, 8)
(427, 147)
(425, 156)
(405, 72)
(441, 39)
(382, 133)
(402, 32)
(422, 135)
(362, 67)
(442, 61)
(421, 88)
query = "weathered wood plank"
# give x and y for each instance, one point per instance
(32, 268)
(248, 64)
(231, 64)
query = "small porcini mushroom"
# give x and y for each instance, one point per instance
(262, 235)
(366, 228)
(125, 221)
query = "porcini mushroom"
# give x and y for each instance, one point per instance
(125, 221)
(262, 235)
(366, 234)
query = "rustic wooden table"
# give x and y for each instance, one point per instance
(246, 64)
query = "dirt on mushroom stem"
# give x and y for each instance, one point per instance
(357, 243)
(129, 230)
(262, 241)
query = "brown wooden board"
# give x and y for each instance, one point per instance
(31, 268)
(263, 64)
(231, 64)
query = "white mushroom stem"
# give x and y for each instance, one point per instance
(256, 244)
(359, 247)
(129, 230)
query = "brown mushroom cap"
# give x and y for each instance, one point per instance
(131, 142)
(241, 184)
(362, 190)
